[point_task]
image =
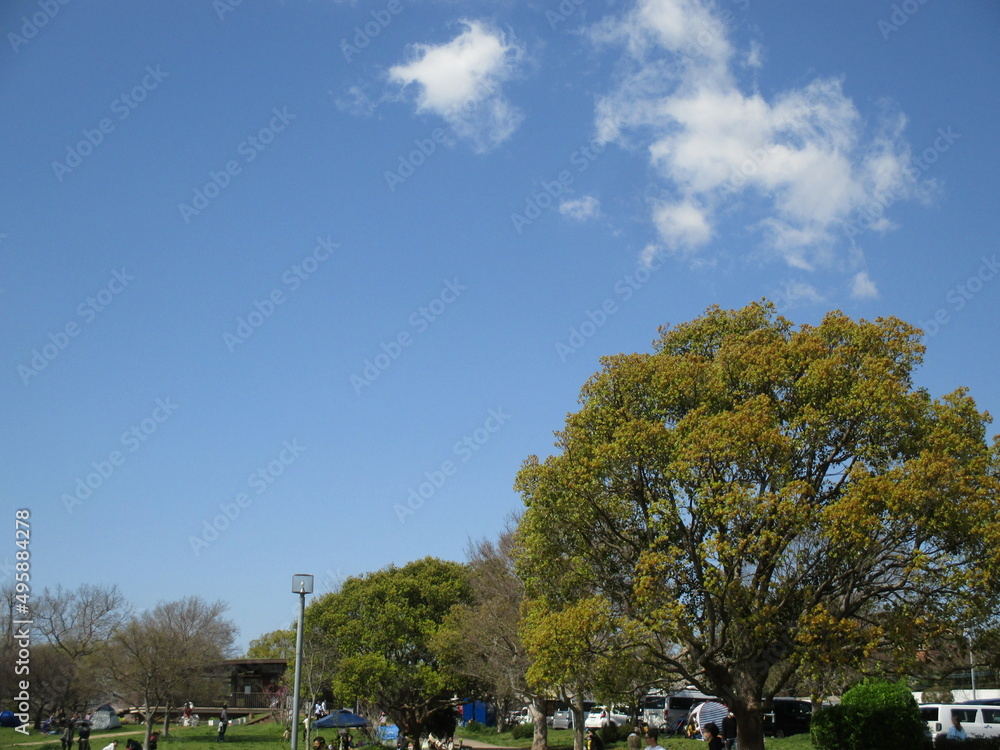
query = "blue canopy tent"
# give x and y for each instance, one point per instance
(7, 719)
(340, 717)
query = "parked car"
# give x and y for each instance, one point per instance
(787, 716)
(562, 717)
(604, 716)
(978, 720)
(521, 716)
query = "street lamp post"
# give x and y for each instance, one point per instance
(302, 584)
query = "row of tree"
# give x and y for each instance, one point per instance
(90, 646)
(750, 508)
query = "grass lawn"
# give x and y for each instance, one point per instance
(267, 736)
(562, 739)
(238, 737)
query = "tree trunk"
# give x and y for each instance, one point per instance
(150, 717)
(749, 729)
(576, 706)
(540, 738)
(744, 698)
(166, 723)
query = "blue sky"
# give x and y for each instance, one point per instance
(296, 286)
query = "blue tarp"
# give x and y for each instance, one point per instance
(7, 719)
(340, 718)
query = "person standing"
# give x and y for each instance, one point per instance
(711, 733)
(729, 731)
(223, 723)
(67, 736)
(653, 739)
(634, 741)
(83, 735)
(955, 731)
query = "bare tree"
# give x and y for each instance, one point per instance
(79, 621)
(163, 651)
(70, 628)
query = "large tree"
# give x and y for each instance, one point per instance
(751, 492)
(160, 657)
(71, 628)
(382, 625)
(482, 640)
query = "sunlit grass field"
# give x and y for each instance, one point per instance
(268, 736)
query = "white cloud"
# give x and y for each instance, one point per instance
(581, 209)
(683, 226)
(803, 156)
(460, 81)
(862, 287)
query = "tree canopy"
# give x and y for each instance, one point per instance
(751, 496)
(382, 625)
(163, 656)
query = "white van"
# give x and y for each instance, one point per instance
(664, 711)
(977, 720)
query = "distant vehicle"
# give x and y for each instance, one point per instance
(562, 717)
(666, 711)
(521, 716)
(606, 716)
(978, 720)
(787, 716)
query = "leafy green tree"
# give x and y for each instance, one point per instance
(278, 644)
(751, 492)
(382, 625)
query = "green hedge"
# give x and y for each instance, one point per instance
(973, 743)
(521, 731)
(873, 715)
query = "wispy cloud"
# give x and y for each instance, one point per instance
(461, 81)
(581, 209)
(803, 158)
(862, 287)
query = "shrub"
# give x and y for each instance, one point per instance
(609, 734)
(474, 726)
(520, 731)
(873, 715)
(972, 743)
